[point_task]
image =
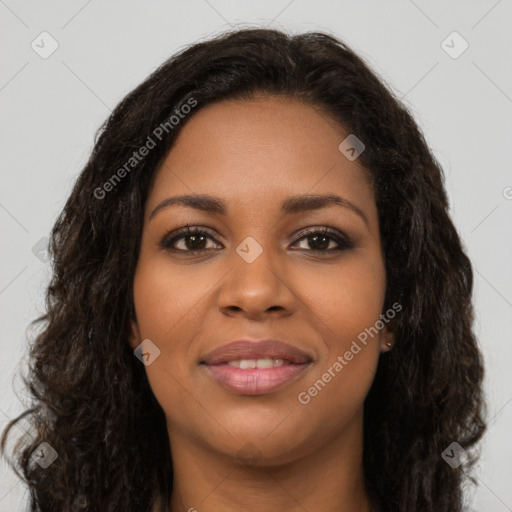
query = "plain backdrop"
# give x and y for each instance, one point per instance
(52, 105)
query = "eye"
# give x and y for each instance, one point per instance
(196, 236)
(322, 239)
(195, 240)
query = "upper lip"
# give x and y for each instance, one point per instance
(256, 349)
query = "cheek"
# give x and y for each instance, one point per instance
(168, 304)
(346, 307)
(166, 299)
(346, 299)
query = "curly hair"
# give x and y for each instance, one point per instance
(91, 400)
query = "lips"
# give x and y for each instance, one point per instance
(255, 367)
(254, 350)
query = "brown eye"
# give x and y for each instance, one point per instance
(321, 240)
(194, 240)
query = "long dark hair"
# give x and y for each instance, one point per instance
(92, 402)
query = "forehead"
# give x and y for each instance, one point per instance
(257, 152)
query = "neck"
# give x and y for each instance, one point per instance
(329, 477)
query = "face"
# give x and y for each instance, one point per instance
(262, 267)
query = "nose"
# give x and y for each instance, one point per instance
(256, 289)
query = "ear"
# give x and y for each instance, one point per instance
(134, 334)
(387, 340)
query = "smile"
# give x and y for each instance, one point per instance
(255, 376)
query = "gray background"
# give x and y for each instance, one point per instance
(50, 109)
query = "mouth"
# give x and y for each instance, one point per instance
(256, 367)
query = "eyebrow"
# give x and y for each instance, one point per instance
(290, 206)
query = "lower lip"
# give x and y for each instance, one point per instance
(255, 381)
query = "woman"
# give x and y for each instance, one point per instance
(259, 300)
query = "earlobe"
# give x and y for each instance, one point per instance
(387, 341)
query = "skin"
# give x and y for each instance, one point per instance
(267, 452)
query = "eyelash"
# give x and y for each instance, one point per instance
(343, 241)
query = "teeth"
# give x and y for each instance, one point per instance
(247, 364)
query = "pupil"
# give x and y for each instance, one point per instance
(315, 239)
(195, 238)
